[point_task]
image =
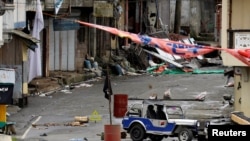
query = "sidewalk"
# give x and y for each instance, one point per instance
(57, 81)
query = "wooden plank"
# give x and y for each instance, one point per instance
(82, 119)
(239, 119)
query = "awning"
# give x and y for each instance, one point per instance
(30, 41)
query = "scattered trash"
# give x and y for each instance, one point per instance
(153, 96)
(86, 85)
(227, 97)
(42, 95)
(66, 87)
(167, 94)
(45, 124)
(231, 102)
(77, 139)
(76, 123)
(66, 91)
(44, 134)
(133, 73)
(230, 84)
(123, 135)
(82, 119)
(201, 96)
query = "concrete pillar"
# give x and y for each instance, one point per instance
(195, 15)
(25, 67)
(164, 11)
(177, 19)
(237, 93)
(245, 91)
(224, 27)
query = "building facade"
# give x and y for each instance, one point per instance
(235, 34)
(64, 43)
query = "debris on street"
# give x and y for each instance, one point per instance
(82, 119)
(201, 96)
(78, 121)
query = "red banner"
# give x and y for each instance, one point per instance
(172, 47)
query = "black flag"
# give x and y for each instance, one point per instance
(107, 87)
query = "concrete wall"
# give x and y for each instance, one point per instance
(240, 20)
(19, 13)
(81, 50)
(185, 13)
(196, 14)
(164, 11)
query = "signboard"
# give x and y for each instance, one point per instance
(7, 75)
(65, 24)
(6, 93)
(95, 116)
(103, 9)
(242, 40)
(18, 78)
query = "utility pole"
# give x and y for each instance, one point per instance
(177, 19)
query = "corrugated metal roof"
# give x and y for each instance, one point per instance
(30, 41)
(24, 35)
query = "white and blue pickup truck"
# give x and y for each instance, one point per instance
(142, 122)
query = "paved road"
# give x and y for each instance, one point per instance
(60, 108)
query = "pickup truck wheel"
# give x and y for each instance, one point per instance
(185, 135)
(137, 133)
(155, 137)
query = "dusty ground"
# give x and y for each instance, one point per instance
(61, 107)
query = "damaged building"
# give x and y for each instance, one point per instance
(65, 43)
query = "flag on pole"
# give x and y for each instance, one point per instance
(35, 56)
(107, 89)
(58, 4)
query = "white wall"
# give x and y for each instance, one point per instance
(15, 18)
(8, 20)
(19, 13)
